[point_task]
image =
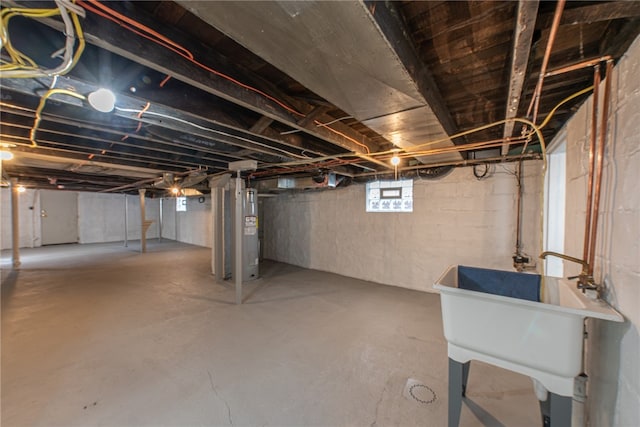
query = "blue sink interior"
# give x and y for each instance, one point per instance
(498, 282)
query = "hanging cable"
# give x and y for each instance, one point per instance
(22, 66)
(480, 176)
(43, 100)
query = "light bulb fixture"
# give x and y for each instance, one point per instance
(395, 160)
(21, 189)
(102, 100)
(175, 191)
(6, 155)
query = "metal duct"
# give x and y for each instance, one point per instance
(337, 50)
(288, 183)
(193, 178)
(167, 181)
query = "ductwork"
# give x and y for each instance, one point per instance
(167, 181)
(340, 52)
(195, 177)
(326, 181)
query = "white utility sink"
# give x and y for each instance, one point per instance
(540, 339)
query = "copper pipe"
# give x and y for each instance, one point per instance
(592, 150)
(579, 65)
(519, 210)
(535, 101)
(599, 164)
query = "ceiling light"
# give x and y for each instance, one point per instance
(6, 155)
(175, 190)
(395, 160)
(102, 100)
(21, 189)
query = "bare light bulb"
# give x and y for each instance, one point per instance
(175, 190)
(102, 100)
(395, 160)
(21, 189)
(6, 155)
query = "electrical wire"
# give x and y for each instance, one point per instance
(150, 34)
(480, 176)
(41, 104)
(21, 65)
(187, 122)
(567, 99)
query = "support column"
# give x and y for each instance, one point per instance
(218, 233)
(160, 219)
(15, 223)
(237, 238)
(126, 222)
(458, 375)
(143, 225)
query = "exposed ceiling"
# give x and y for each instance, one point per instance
(302, 87)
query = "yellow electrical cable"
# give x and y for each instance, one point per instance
(81, 42)
(19, 60)
(43, 100)
(567, 99)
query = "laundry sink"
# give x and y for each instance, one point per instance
(535, 330)
(541, 339)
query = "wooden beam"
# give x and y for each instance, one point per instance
(522, 38)
(591, 13)
(616, 44)
(387, 16)
(261, 125)
(110, 36)
(315, 113)
(166, 117)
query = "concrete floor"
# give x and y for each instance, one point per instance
(103, 335)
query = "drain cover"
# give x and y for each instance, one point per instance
(416, 390)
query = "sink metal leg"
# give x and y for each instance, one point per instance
(458, 375)
(556, 411)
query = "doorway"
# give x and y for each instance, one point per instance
(59, 217)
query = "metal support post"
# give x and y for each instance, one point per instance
(458, 376)
(160, 219)
(126, 222)
(15, 223)
(237, 238)
(218, 233)
(143, 227)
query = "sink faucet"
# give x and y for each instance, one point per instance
(585, 279)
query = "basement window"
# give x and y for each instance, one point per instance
(390, 196)
(181, 204)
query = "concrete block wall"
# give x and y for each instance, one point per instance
(456, 220)
(100, 218)
(195, 225)
(29, 211)
(613, 349)
(192, 226)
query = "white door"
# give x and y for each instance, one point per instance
(59, 217)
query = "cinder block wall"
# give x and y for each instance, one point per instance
(614, 349)
(192, 226)
(100, 218)
(456, 220)
(29, 212)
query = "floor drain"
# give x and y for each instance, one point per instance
(422, 393)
